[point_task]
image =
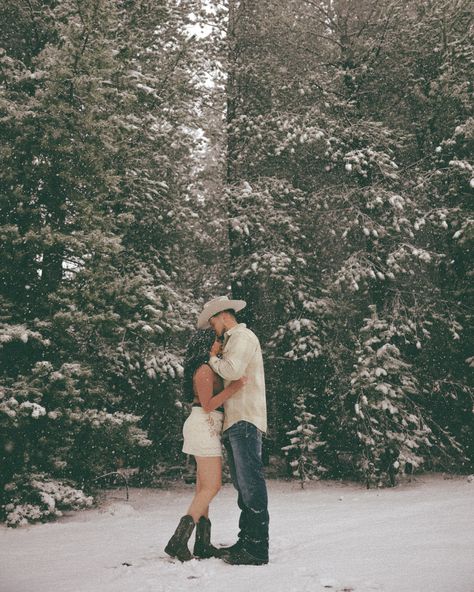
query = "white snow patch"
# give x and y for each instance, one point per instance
(417, 537)
(120, 510)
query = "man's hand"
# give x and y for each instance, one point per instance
(216, 348)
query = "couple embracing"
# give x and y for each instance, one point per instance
(224, 379)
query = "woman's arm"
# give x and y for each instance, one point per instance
(203, 387)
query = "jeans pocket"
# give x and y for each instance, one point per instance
(251, 431)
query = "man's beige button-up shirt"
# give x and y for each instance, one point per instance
(242, 356)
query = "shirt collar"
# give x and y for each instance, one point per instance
(230, 331)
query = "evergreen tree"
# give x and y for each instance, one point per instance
(324, 208)
(92, 306)
(391, 429)
(303, 442)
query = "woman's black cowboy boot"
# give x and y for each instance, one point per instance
(178, 544)
(202, 546)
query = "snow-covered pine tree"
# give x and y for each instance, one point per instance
(304, 441)
(91, 191)
(391, 428)
(445, 218)
(440, 108)
(56, 428)
(333, 139)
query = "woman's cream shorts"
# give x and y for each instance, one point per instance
(202, 433)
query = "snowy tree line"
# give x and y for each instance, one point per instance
(312, 157)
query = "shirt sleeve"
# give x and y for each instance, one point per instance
(235, 359)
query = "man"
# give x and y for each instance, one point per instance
(245, 420)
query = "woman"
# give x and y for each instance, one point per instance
(202, 438)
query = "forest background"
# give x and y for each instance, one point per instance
(312, 157)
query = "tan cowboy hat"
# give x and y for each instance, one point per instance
(216, 305)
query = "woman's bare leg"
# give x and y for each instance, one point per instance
(209, 481)
(198, 489)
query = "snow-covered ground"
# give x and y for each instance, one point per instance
(332, 537)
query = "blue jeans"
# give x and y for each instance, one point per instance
(243, 442)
